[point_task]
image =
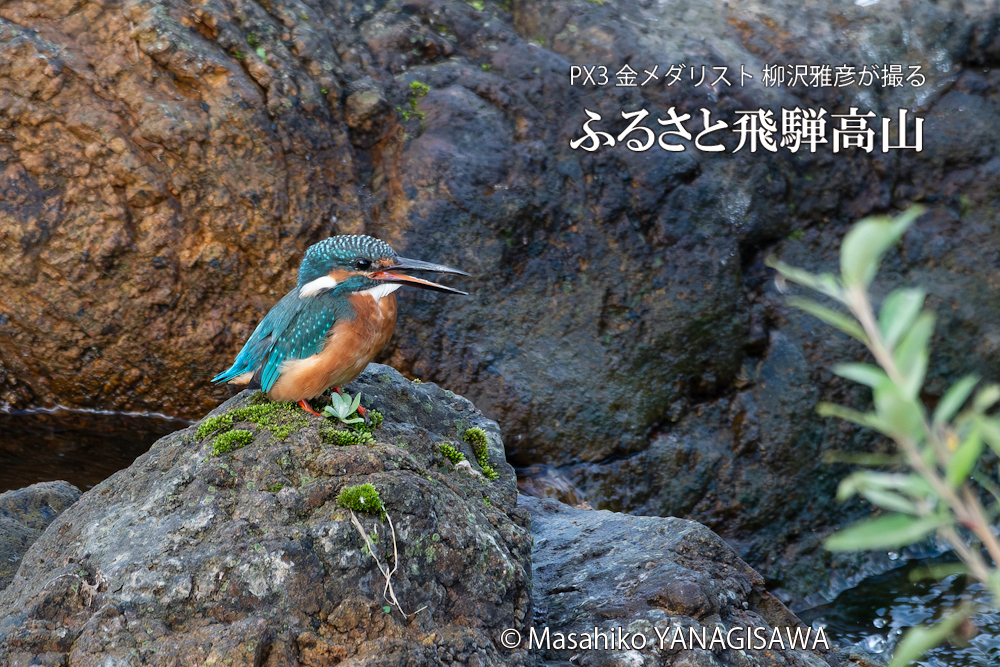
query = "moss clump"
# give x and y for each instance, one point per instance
(477, 438)
(231, 441)
(362, 498)
(344, 438)
(451, 453)
(353, 434)
(417, 90)
(274, 488)
(281, 419)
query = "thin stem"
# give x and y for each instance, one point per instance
(968, 513)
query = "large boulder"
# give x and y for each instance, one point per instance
(196, 554)
(655, 585)
(24, 515)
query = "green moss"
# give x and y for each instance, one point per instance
(477, 438)
(345, 438)
(231, 441)
(352, 434)
(253, 40)
(486, 67)
(362, 498)
(274, 488)
(281, 419)
(451, 453)
(417, 90)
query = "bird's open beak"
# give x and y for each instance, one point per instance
(403, 264)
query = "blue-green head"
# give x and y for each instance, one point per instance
(358, 263)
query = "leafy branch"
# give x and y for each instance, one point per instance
(941, 490)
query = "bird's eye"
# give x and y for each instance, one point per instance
(362, 264)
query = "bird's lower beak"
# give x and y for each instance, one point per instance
(403, 264)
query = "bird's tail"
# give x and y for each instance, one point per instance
(247, 361)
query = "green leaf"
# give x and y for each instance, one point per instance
(891, 501)
(898, 313)
(355, 403)
(964, 459)
(863, 247)
(830, 316)
(886, 532)
(261, 52)
(866, 419)
(953, 399)
(865, 374)
(825, 283)
(353, 421)
(922, 638)
(864, 480)
(901, 414)
(986, 397)
(912, 354)
(989, 429)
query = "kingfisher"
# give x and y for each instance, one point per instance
(324, 332)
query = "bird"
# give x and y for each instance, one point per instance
(340, 313)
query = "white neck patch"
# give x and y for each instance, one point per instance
(321, 283)
(379, 291)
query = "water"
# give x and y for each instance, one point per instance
(875, 614)
(82, 448)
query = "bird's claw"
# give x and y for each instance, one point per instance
(304, 404)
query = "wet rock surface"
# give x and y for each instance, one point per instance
(246, 558)
(24, 515)
(165, 165)
(647, 576)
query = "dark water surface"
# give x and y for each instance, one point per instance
(82, 448)
(876, 613)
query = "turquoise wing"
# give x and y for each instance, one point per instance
(295, 328)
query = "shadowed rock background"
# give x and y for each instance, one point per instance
(165, 164)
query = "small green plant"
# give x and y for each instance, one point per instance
(253, 40)
(323, 91)
(796, 235)
(417, 90)
(231, 441)
(940, 478)
(477, 438)
(451, 453)
(478, 5)
(342, 407)
(362, 498)
(275, 488)
(486, 67)
(237, 54)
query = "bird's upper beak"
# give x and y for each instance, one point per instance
(389, 274)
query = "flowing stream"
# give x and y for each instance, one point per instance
(875, 614)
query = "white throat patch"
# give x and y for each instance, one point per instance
(321, 283)
(379, 291)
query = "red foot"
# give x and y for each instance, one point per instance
(304, 404)
(363, 412)
(339, 393)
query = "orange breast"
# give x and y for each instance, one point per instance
(349, 347)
